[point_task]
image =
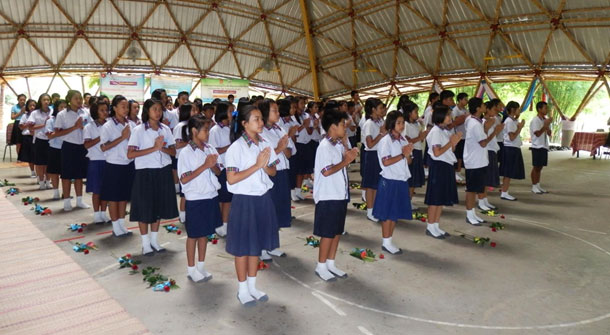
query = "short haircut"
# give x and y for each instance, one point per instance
(512, 105)
(353, 93)
(446, 94)
(332, 117)
(492, 103)
(540, 105)
(156, 94)
(473, 104)
(94, 110)
(439, 114)
(408, 109)
(432, 96)
(222, 112)
(461, 96)
(351, 104)
(231, 96)
(55, 95)
(21, 95)
(207, 107)
(391, 118)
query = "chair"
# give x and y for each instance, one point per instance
(9, 135)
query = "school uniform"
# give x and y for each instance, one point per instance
(26, 154)
(540, 144)
(286, 123)
(370, 179)
(427, 124)
(362, 144)
(304, 154)
(117, 179)
(316, 136)
(253, 225)
(416, 168)
(280, 192)
(40, 139)
(97, 160)
(177, 133)
(499, 137)
(351, 134)
(220, 137)
(201, 193)
(392, 201)
(73, 152)
(54, 153)
(459, 148)
(153, 196)
(493, 152)
(476, 159)
(330, 193)
(16, 136)
(511, 165)
(441, 189)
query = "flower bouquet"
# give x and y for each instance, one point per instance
(213, 238)
(480, 241)
(84, 247)
(495, 226)
(312, 241)
(306, 189)
(366, 255)
(490, 212)
(166, 286)
(423, 217)
(359, 205)
(40, 210)
(29, 200)
(77, 227)
(12, 191)
(355, 186)
(172, 228)
(128, 262)
(6, 183)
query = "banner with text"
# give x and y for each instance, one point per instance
(221, 88)
(172, 86)
(131, 87)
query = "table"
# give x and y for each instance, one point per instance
(589, 142)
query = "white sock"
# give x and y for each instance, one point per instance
(478, 218)
(122, 226)
(146, 248)
(470, 216)
(80, 203)
(243, 294)
(430, 227)
(177, 187)
(483, 204)
(56, 193)
(258, 295)
(116, 228)
(67, 205)
(265, 256)
(293, 194)
(201, 269)
(488, 204)
(330, 265)
(438, 228)
(506, 195)
(153, 240)
(182, 215)
(104, 217)
(194, 274)
(364, 195)
(322, 271)
(387, 243)
(276, 252)
(42, 185)
(96, 217)
(298, 193)
(369, 211)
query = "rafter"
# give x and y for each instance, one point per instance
(271, 45)
(310, 49)
(224, 29)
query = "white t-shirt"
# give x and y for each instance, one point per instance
(493, 144)
(371, 128)
(475, 156)
(143, 137)
(542, 141)
(361, 125)
(273, 135)
(91, 132)
(510, 126)
(171, 117)
(428, 117)
(242, 154)
(499, 136)
(111, 130)
(177, 133)
(391, 147)
(348, 131)
(334, 186)
(456, 112)
(318, 133)
(205, 185)
(56, 142)
(440, 137)
(412, 130)
(37, 118)
(303, 137)
(66, 119)
(220, 137)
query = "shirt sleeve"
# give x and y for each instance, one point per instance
(232, 158)
(434, 139)
(59, 121)
(384, 149)
(168, 137)
(134, 139)
(273, 158)
(177, 133)
(184, 164)
(323, 160)
(214, 133)
(87, 133)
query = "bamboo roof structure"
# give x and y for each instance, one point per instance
(318, 48)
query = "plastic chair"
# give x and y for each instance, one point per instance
(9, 135)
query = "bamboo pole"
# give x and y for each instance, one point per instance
(51, 82)
(546, 88)
(582, 104)
(27, 84)
(9, 85)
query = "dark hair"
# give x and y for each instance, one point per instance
(216, 101)
(446, 94)
(222, 112)
(197, 122)
(352, 93)
(243, 102)
(131, 102)
(184, 113)
(70, 95)
(330, 105)
(492, 103)
(94, 110)
(103, 97)
(230, 96)
(27, 112)
(207, 107)
(179, 95)
(86, 94)
(332, 117)
(473, 104)
(39, 103)
(146, 108)
(439, 114)
(351, 104)
(56, 95)
(540, 105)
(156, 94)
(403, 101)
(198, 101)
(56, 106)
(264, 106)
(199, 106)
(391, 118)
(21, 95)
(243, 115)
(369, 105)
(283, 106)
(297, 114)
(115, 102)
(461, 96)
(511, 105)
(432, 96)
(408, 109)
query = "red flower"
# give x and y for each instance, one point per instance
(381, 256)
(134, 267)
(214, 241)
(86, 251)
(128, 256)
(363, 254)
(178, 231)
(83, 225)
(493, 229)
(166, 288)
(493, 244)
(502, 216)
(80, 230)
(423, 219)
(25, 203)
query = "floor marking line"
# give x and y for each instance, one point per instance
(113, 265)
(364, 330)
(306, 214)
(329, 304)
(593, 231)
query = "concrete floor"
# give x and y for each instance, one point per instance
(549, 273)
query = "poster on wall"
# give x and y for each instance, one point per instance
(131, 87)
(212, 88)
(172, 85)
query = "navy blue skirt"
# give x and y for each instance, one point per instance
(459, 150)
(362, 161)
(441, 189)
(73, 161)
(174, 163)
(427, 158)
(418, 178)
(153, 195)
(54, 161)
(202, 217)
(280, 193)
(26, 153)
(41, 152)
(392, 201)
(94, 176)
(500, 152)
(313, 148)
(511, 165)
(223, 193)
(329, 218)
(371, 170)
(302, 166)
(117, 181)
(493, 170)
(252, 225)
(540, 157)
(292, 172)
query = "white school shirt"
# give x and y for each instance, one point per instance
(390, 147)
(457, 111)
(428, 117)
(37, 118)
(371, 128)
(220, 137)
(348, 131)
(273, 135)
(318, 132)
(66, 119)
(205, 185)
(242, 154)
(171, 117)
(143, 137)
(493, 144)
(475, 156)
(510, 126)
(499, 136)
(25, 131)
(56, 142)
(361, 125)
(177, 133)
(334, 186)
(288, 122)
(111, 130)
(412, 130)
(542, 141)
(91, 132)
(440, 137)
(303, 137)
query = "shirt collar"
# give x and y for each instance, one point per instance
(273, 126)
(195, 146)
(397, 138)
(147, 126)
(287, 119)
(249, 140)
(332, 141)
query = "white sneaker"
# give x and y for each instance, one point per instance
(299, 195)
(195, 275)
(49, 186)
(82, 205)
(483, 206)
(541, 189)
(222, 230)
(56, 194)
(489, 205)
(293, 195)
(470, 218)
(265, 257)
(506, 196)
(67, 205)
(536, 190)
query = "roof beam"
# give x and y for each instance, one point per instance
(310, 49)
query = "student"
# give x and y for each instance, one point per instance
(392, 200)
(511, 166)
(220, 139)
(55, 142)
(284, 148)
(185, 112)
(198, 167)
(117, 179)
(134, 111)
(253, 226)
(17, 112)
(476, 158)
(314, 109)
(414, 134)
(331, 193)
(170, 119)
(540, 131)
(304, 136)
(372, 131)
(459, 115)
(208, 111)
(97, 159)
(441, 188)
(493, 152)
(69, 125)
(36, 123)
(26, 154)
(151, 146)
(231, 98)
(432, 100)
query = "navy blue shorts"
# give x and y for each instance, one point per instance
(540, 157)
(329, 218)
(476, 180)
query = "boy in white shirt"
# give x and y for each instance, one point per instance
(540, 131)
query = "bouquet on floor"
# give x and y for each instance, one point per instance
(172, 228)
(478, 240)
(40, 210)
(423, 217)
(6, 183)
(29, 200)
(495, 226)
(355, 186)
(165, 286)
(213, 238)
(84, 247)
(366, 255)
(306, 189)
(128, 262)
(77, 227)
(490, 212)
(312, 241)
(158, 281)
(359, 205)
(12, 191)
(262, 265)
